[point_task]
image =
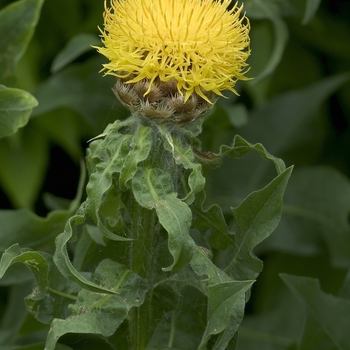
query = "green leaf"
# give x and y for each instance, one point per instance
(34, 260)
(109, 155)
(202, 265)
(182, 322)
(52, 293)
(259, 9)
(328, 317)
(310, 10)
(183, 155)
(100, 313)
(344, 291)
(153, 189)
(241, 147)
(15, 312)
(27, 229)
(66, 129)
(17, 23)
(25, 157)
(211, 223)
(226, 300)
(225, 311)
(35, 346)
(288, 120)
(308, 218)
(82, 89)
(24, 227)
(105, 159)
(255, 219)
(61, 257)
(15, 108)
(78, 45)
(139, 148)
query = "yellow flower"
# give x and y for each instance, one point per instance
(202, 44)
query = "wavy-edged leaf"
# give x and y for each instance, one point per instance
(328, 317)
(98, 313)
(101, 180)
(211, 223)
(153, 189)
(139, 148)
(241, 147)
(183, 154)
(15, 108)
(61, 257)
(34, 260)
(52, 293)
(255, 219)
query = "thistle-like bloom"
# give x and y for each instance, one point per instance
(200, 47)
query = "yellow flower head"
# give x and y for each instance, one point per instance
(202, 44)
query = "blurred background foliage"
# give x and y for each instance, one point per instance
(297, 106)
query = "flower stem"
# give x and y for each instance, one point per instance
(144, 230)
(145, 233)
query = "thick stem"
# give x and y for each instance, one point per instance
(144, 231)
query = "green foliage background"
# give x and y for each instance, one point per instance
(298, 107)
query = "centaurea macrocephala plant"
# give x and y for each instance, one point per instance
(156, 268)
